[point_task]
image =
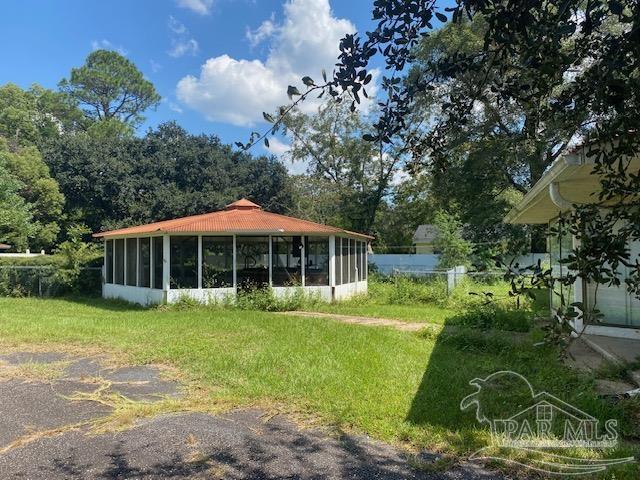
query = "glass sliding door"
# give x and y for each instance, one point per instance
(108, 260)
(617, 305)
(144, 262)
(560, 247)
(344, 259)
(184, 262)
(132, 261)
(316, 270)
(217, 262)
(286, 262)
(119, 261)
(157, 262)
(252, 261)
(634, 301)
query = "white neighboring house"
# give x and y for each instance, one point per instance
(425, 237)
(569, 181)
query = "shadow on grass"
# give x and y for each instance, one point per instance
(104, 303)
(463, 355)
(458, 356)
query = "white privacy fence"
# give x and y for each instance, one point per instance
(388, 263)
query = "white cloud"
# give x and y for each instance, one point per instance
(176, 26)
(181, 43)
(233, 91)
(181, 47)
(264, 31)
(277, 147)
(155, 66)
(107, 45)
(280, 149)
(298, 167)
(201, 7)
(237, 91)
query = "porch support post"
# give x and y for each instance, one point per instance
(270, 261)
(113, 270)
(366, 260)
(200, 261)
(151, 263)
(166, 263)
(332, 261)
(124, 267)
(138, 262)
(104, 266)
(302, 259)
(235, 265)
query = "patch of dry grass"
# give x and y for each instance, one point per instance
(126, 412)
(40, 434)
(33, 371)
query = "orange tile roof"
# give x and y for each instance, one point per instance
(242, 216)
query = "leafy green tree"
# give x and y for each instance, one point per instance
(109, 128)
(15, 214)
(318, 199)
(330, 142)
(508, 134)
(76, 254)
(39, 191)
(114, 182)
(504, 145)
(31, 117)
(454, 249)
(109, 86)
(410, 204)
(562, 58)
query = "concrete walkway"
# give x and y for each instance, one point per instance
(625, 350)
(368, 321)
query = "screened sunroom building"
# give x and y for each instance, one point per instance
(211, 256)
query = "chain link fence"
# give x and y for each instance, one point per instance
(48, 281)
(452, 277)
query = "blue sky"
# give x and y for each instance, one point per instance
(171, 39)
(217, 63)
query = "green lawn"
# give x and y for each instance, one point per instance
(396, 386)
(410, 313)
(414, 301)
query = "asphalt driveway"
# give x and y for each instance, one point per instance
(46, 414)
